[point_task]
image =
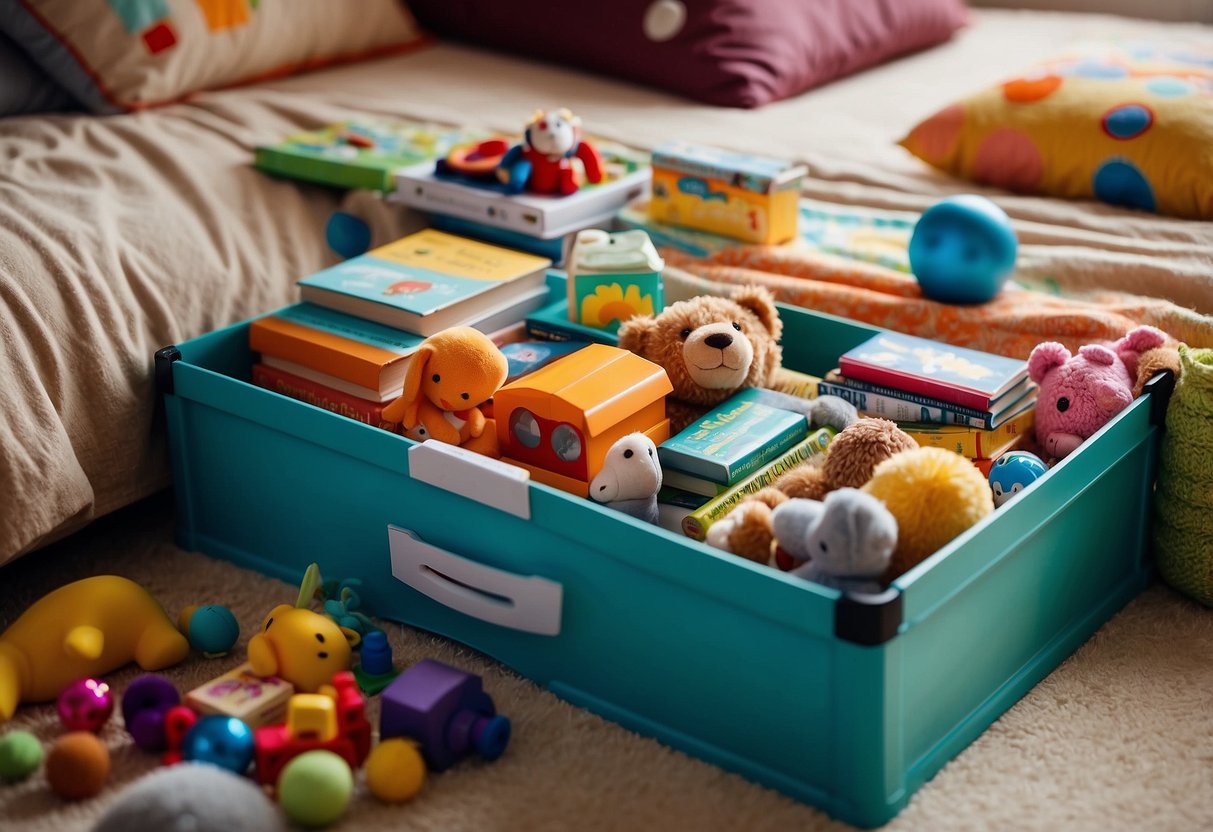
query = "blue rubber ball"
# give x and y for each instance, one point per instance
(1013, 472)
(222, 741)
(963, 249)
(213, 629)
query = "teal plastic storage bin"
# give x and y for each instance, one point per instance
(848, 702)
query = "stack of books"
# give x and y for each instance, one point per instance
(347, 348)
(973, 402)
(739, 447)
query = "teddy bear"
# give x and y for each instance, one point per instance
(1079, 394)
(542, 163)
(711, 347)
(849, 461)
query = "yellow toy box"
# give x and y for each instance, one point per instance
(750, 198)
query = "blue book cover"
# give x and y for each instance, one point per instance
(931, 368)
(426, 281)
(347, 326)
(738, 437)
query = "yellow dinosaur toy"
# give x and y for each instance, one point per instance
(87, 628)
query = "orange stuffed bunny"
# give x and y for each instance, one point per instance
(452, 373)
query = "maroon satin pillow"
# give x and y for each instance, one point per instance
(734, 53)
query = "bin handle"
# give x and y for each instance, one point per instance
(527, 603)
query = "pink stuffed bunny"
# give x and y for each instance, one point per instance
(1079, 394)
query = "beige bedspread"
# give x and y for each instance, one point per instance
(120, 235)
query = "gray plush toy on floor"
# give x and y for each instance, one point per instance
(845, 541)
(192, 797)
(630, 478)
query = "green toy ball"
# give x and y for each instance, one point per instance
(20, 755)
(314, 788)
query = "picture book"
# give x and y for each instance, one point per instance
(365, 354)
(554, 249)
(360, 153)
(698, 520)
(974, 443)
(427, 281)
(929, 368)
(328, 398)
(626, 178)
(528, 356)
(735, 439)
(899, 406)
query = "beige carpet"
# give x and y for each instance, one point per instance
(1120, 737)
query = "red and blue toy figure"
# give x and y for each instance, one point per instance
(446, 711)
(543, 163)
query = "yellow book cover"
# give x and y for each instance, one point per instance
(968, 441)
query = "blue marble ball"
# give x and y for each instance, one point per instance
(1013, 472)
(963, 249)
(222, 741)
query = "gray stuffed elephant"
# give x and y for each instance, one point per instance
(845, 541)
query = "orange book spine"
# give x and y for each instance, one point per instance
(344, 358)
(305, 390)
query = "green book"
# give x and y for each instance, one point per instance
(697, 521)
(742, 434)
(360, 153)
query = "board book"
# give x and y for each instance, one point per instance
(627, 177)
(734, 439)
(957, 375)
(368, 355)
(428, 281)
(360, 153)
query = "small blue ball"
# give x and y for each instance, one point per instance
(1013, 472)
(222, 741)
(963, 249)
(213, 629)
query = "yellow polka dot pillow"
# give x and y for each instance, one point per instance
(119, 55)
(1129, 124)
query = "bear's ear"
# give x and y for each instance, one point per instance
(1045, 357)
(1097, 354)
(759, 301)
(635, 333)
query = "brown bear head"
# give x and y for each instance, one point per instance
(711, 347)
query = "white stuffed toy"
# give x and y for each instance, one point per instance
(630, 478)
(844, 541)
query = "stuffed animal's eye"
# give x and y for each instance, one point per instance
(268, 623)
(822, 544)
(736, 326)
(322, 655)
(436, 378)
(1063, 404)
(627, 454)
(685, 334)
(463, 396)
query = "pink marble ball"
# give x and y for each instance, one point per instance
(86, 705)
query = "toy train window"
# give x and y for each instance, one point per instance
(554, 446)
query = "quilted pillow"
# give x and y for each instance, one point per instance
(734, 53)
(1127, 123)
(116, 55)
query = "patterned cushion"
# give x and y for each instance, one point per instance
(1127, 123)
(116, 55)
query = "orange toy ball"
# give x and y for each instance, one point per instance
(77, 765)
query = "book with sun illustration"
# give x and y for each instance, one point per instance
(965, 377)
(428, 281)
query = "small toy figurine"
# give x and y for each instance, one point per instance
(145, 704)
(1079, 394)
(192, 797)
(212, 629)
(446, 710)
(77, 765)
(87, 628)
(303, 647)
(1013, 472)
(962, 250)
(542, 163)
(85, 705)
(223, 741)
(448, 378)
(630, 478)
(844, 542)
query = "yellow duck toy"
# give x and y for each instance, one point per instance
(87, 628)
(303, 647)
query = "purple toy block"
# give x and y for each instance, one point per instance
(446, 710)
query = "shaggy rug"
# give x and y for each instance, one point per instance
(1119, 737)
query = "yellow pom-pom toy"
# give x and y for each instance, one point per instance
(935, 494)
(395, 771)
